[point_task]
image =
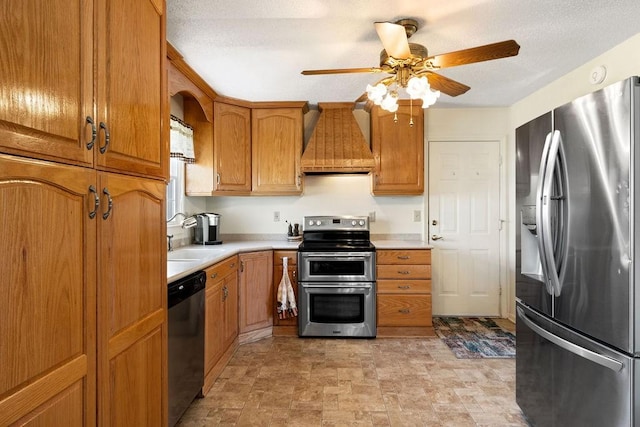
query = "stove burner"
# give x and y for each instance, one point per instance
(340, 233)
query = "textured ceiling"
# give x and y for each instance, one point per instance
(255, 49)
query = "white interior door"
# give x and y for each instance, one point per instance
(464, 227)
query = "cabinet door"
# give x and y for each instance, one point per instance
(214, 323)
(256, 301)
(232, 147)
(132, 300)
(47, 283)
(398, 150)
(230, 310)
(132, 86)
(46, 89)
(276, 144)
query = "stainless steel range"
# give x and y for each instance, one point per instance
(336, 278)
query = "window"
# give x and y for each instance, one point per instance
(175, 190)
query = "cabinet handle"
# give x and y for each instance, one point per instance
(218, 179)
(404, 257)
(241, 266)
(94, 133)
(225, 293)
(404, 311)
(103, 149)
(404, 272)
(214, 275)
(404, 287)
(299, 181)
(96, 201)
(233, 264)
(109, 203)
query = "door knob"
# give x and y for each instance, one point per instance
(434, 237)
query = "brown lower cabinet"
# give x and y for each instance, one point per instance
(404, 292)
(256, 301)
(221, 318)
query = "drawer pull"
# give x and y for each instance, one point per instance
(404, 272)
(404, 257)
(404, 311)
(214, 275)
(404, 287)
(233, 264)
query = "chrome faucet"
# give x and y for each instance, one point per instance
(188, 222)
(169, 244)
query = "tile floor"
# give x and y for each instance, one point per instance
(288, 381)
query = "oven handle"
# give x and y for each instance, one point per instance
(338, 255)
(358, 286)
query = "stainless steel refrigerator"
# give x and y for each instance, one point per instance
(578, 306)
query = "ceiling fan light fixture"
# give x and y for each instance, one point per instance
(417, 87)
(430, 98)
(390, 102)
(376, 93)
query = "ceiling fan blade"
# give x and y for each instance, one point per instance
(445, 84)
(475, 54)
(394, 39)
(342, 71)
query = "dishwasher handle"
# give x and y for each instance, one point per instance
(182, 289)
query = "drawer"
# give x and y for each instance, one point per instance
(404, 310)
(408, 271)
(221, 269)
(406, 256)
(419, 286)
(278, 255)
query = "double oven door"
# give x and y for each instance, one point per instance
(337, 294)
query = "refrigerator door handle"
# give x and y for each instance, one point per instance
(539, 222)
(547, 188)
(600, 359)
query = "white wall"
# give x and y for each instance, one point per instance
(339, 194)
(621, 62)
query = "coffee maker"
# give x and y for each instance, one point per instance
(207, 229)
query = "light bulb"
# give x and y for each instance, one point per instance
(376, 93)
(390, 102)
(417, 87)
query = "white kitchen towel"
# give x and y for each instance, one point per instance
(286, 297)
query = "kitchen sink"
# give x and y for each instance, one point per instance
(187, 254)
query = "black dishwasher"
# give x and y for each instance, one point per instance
(186, 342)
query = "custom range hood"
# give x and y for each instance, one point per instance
(337, 144)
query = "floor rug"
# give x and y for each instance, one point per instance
(475, 337)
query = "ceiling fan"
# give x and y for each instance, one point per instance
(404, 61)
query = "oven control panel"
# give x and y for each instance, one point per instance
(312, 223)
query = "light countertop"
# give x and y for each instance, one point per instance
(189, 259)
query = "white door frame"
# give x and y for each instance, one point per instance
(503, 209)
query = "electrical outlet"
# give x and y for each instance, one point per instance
(372, 216)
(417, 216)
(276, 216)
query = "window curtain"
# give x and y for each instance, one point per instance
(181, 140)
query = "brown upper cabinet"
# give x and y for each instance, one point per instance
(276, 144)
(231, 148)
(104, 114)
(398, 150)
(241, 147)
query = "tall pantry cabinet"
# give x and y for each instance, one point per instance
(83, 164)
